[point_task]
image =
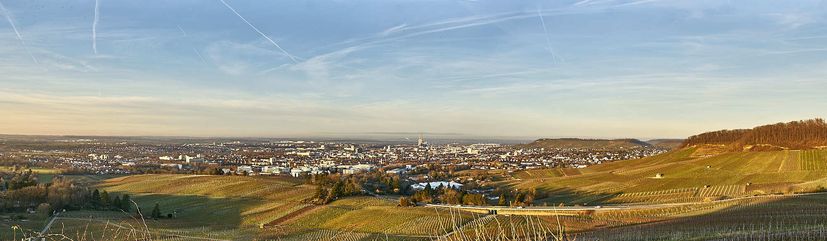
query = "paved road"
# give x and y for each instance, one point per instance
(49, 225)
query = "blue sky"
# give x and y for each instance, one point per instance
(587, 68)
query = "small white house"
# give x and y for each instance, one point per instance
(451, 184)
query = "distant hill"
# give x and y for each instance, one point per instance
(796, 135)
(670, 144)
(568, 143)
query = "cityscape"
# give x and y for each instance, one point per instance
(399, 120)
(299, 158)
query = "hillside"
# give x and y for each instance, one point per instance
(595, 144)
(223, 207)
(669, 144)
(684, 177)
(210, 207)
(710, 166)
(797, 135)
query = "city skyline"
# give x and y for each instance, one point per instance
(479, 68)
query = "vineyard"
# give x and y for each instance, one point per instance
(681, 176)
(203, 206)
(813, 160)
(671, 191)
(795, 218)
(418, 221)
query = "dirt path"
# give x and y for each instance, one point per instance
(293, 215)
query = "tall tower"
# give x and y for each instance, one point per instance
(421, 141)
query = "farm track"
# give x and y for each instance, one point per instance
(49, 225)
(292, 216)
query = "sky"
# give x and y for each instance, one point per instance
(580, 68)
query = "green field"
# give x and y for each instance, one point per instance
(18, 224)
(44, 175)
(220, 207)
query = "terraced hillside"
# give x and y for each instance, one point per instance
(685, 175)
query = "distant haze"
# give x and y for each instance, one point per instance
(514, 70)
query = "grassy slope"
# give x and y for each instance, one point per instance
(234, 207)
(219, 200)
(225, 207)
(685, 175)
(372, 216)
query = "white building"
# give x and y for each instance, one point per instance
(297, 172)
(434, 185)
(244, 168)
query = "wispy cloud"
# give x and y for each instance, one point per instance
(402, 32)
(393, 29)
(481, 69)
(236, 58)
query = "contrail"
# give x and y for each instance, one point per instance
(95, 27)
(545, 31)
(11, 21)
(16, 32)
(259, 32)
(182, 30)
(199, 55)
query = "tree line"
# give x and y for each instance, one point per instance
(805, 134)
(443, 195)
(21, 191)
(330, 187)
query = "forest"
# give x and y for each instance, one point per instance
(805, 134)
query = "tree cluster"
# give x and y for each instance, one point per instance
(329, 190)
(101, 200)
(804, 134)
(519, 198)
(19, 179)
(157, 214)
(21, 192)
(446, 195)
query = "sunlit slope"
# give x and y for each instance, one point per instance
(237, 207)
(218, 201)
(686, 175)
(372, 216)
